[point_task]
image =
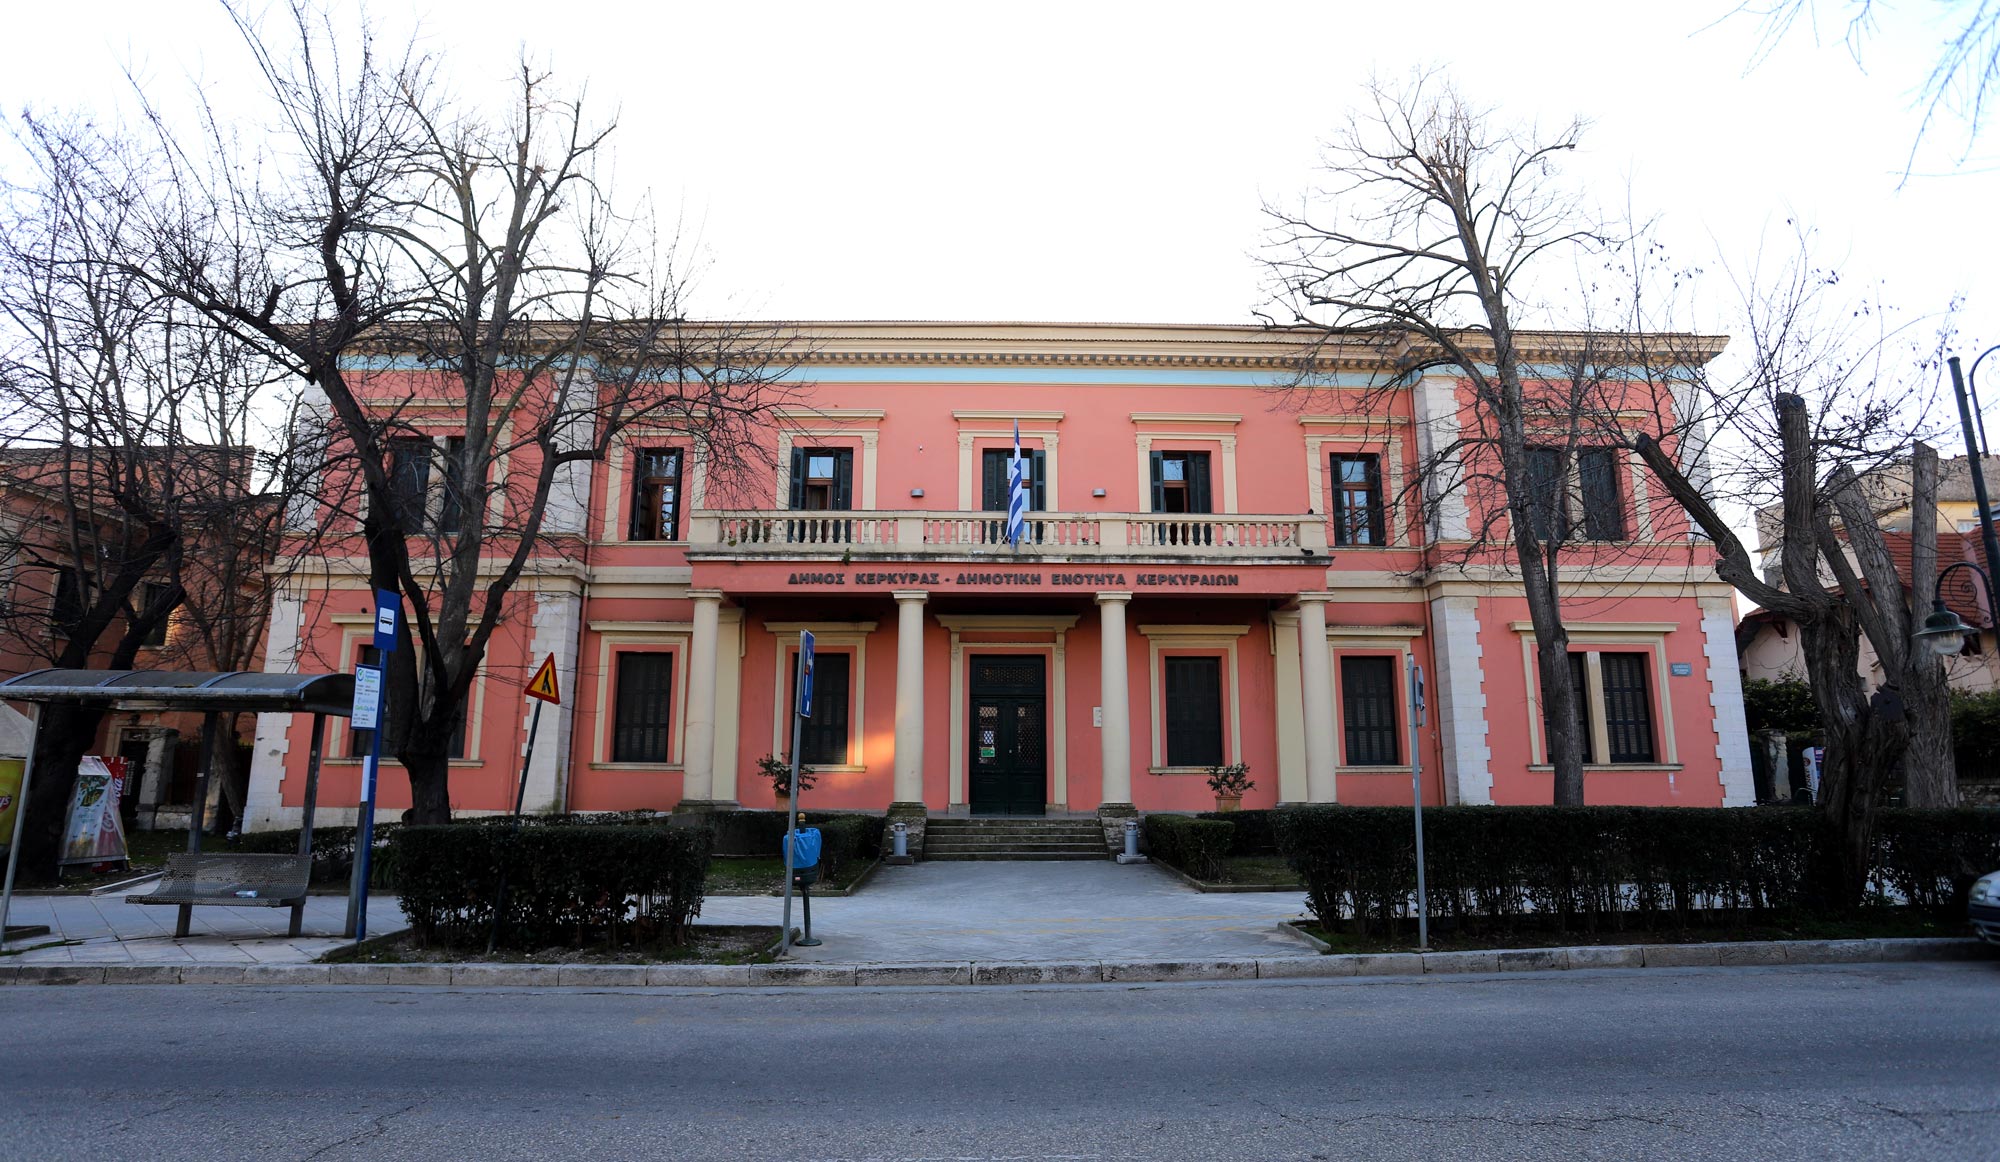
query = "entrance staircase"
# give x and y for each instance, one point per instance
(1013, 837)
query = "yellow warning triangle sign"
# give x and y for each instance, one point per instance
(543, 684)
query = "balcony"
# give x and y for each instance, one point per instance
(1050, 536)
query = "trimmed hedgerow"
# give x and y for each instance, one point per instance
(1196, 846)
(1586, 869)
(332, 852)
(567, 883)
(1253, 835)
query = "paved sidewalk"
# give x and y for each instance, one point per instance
(988, 912)
(115, 932)
(985, 912)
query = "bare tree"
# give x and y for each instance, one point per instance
(478, 321)
(1828, 392)
(1964, 76)
(133, 465)
(1432, 239)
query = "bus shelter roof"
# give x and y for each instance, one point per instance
(237, 690)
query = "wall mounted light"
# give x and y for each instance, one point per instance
(917, 492)
(1098, 493)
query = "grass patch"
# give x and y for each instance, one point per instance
(1253, 870)
(1882, 924)
(764, 875)
(709, 944)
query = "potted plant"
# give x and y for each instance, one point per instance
(780, 773)
(1229, 782)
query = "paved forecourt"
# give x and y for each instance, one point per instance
(1056, 911)
(961, 912)
(107, 930)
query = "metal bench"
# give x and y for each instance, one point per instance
(244, 881)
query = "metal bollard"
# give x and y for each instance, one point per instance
(899, 852)
(1131, 852)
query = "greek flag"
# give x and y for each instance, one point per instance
(1017, 492)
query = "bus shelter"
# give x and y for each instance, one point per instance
(212, 695)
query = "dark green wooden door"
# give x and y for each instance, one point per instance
(1009, 736)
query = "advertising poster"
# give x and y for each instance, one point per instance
(10, 797)
(95, 833)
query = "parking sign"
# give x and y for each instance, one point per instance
(805, 673)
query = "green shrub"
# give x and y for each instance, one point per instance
(567, 883)
(332, 852)
(1586, 869)
(1930, 858)
(1252, 831)
(1196, 846)
(1975, 734)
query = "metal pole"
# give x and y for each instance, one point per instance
(364, 832)
(1986, 536)
(20, 815)
(520, 797)
(1417, 796)
(184, 919)
(306, 818)
(792, 820)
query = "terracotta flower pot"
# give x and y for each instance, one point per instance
(1228, 802)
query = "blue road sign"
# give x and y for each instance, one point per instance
(388, 611)
(805, 673)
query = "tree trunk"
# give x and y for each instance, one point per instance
(425, 755)
(1930, 773)
(65, 736)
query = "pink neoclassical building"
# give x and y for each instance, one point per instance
(1214, 572)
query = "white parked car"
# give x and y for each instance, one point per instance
(1984, 908)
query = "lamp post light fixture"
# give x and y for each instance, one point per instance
(1944, 631)
(1975, 464)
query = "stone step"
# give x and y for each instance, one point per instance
(933, 848)
(1003, 856)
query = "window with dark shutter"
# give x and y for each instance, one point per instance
(823, 737)
(409, 480)
(1603, 504)
(1357, 500)
(1628, 708)
(66, 604)
(993, 479)
(154, 595)
(1548, 493)
(1180, 482)
(822, 479)
(656, 494)
(641, 729)
(1368, 710)
(452, 505)
(1194, 712)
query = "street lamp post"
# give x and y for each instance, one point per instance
(1944, 631)
(1975, 462)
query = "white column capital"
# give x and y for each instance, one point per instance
(714, 595)
(1118, 598)
(1314, 598)
(917, 596)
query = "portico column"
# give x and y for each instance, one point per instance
(1115, 738)
(1316, 690)
(698, 748)
(909, 696)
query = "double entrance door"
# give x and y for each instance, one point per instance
(1009, 736)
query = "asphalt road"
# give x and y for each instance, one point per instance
(1819, 1063)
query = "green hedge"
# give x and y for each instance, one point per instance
(567, 883)
(1253, 834)
(758, 833)
(1586, 869)
(1196, 846)
(332, 852)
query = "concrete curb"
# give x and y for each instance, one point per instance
(794, 974)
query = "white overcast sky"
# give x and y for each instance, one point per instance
(1107, 161)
